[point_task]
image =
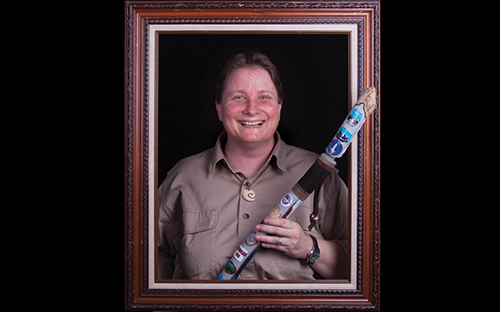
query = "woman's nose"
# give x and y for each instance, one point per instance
(252, 107)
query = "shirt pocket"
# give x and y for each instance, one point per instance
(200, 221)
(198, 240)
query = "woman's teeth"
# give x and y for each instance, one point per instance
(251, 123)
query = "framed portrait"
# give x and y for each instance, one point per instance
(327, 53)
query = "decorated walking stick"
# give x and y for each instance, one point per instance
(311, 180)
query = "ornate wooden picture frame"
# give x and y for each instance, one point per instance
(145, 23)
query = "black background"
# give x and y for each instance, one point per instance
(314, 73)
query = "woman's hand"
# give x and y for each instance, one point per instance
(296, 244)
(286, 236)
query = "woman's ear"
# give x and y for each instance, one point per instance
(218, 107)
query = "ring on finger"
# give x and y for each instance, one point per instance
(279, 241)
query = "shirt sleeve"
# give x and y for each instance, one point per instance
(167, 229)
(334, 210)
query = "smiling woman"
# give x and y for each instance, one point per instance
(250, 113)
(200, 202)
(250, 94)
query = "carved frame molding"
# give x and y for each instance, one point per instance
(139, 16)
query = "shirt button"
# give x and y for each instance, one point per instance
(246, 216)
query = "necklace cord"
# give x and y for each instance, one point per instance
(248, 185)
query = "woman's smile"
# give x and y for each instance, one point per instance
(252, 124)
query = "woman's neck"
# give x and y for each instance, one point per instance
(248, 158)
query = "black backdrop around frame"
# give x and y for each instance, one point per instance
(314, 73)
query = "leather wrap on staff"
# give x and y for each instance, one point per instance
(313, 178)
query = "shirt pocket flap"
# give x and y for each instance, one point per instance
(200, 221)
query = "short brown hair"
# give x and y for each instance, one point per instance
(248, 59)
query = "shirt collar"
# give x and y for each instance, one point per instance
(278, 153)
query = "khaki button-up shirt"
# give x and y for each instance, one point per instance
(203, 217)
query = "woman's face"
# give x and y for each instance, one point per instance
(249, 111)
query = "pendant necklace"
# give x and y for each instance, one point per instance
(248, 194)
